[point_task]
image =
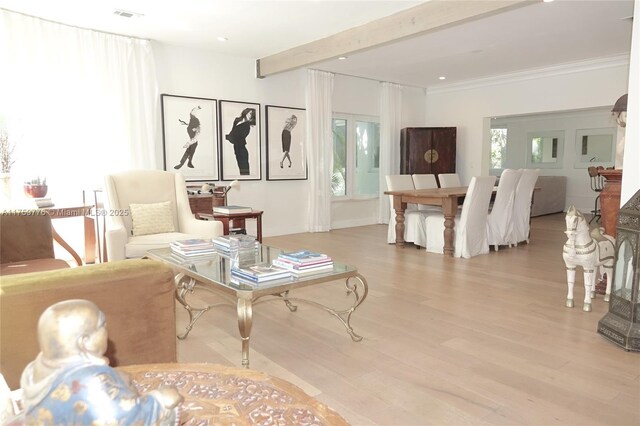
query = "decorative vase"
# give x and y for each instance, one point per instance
(35, 191)
(5, 185)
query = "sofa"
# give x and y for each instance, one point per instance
(551, 196)
(137, 297)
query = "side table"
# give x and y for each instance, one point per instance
(237, 220)
(218, 395)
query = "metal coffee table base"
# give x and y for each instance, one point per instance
(356, 287)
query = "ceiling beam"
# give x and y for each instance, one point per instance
(429, 16)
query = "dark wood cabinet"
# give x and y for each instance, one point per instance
(204, 202)
(428, 150)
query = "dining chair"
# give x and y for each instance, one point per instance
(413, 231)
(500, 219)
(522, 206)
(449, 180)
(425, 181)
(470, 229)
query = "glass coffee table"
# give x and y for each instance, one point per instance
(213, 275)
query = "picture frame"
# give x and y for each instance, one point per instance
(240, 150)
(286, 143)
(190, 136)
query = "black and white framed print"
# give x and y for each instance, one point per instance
(240, 140)
(190, 136)
(286, 146)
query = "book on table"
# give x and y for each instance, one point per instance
(304, 257)
(195, 247)
(287, 264)
(261, 273)
(232, 209)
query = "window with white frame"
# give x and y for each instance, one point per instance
(356, 156)
(498, 148)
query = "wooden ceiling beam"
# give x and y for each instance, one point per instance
(428, 16)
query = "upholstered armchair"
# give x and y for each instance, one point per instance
(148, 209)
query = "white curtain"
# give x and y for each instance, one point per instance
(390, 122)
(77, 103)
(319, 100)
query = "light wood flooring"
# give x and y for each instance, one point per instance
(446, 341)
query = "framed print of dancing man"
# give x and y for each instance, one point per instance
(190, 136)
(240, 140)
(286, 148)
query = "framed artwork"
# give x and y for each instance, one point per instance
(286, 145)
(240, 140)
(190, 136)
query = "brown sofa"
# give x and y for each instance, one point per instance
(137, 297)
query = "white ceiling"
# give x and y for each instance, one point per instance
(534, 36)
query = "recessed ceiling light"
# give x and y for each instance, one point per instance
(222, 38)
(127, 14)
(442, 78)
(342, 58)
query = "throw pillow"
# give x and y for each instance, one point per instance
(155, 218)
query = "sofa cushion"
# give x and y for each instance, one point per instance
(154, 218)
(138, 246)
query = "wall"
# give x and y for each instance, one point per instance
(586, 85)
(198, 73)
(579, 191)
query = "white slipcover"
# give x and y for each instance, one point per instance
(413, 232)
(425, 181)
(449, 180)
(522, 205)
(470, 230)
(146, 187)
(500, 220)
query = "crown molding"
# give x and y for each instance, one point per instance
(532, 74)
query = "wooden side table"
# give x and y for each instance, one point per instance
(236, 220)
(83, 211)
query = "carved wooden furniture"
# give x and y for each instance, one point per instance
(204, 202)
(220, 395)
(427, 150)
(610, 199)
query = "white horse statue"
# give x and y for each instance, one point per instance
(589, 250)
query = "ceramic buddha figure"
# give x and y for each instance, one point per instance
(70, 381)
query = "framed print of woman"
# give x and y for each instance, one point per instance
(240, 128)
(190, 136)
(286, 134)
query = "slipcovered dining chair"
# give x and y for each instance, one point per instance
(413, 232)
(500, 219)
(425, 181)
(449, 180)
(150, 209)
(522, 206)
(470, 230)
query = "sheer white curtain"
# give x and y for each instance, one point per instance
(77, 103)
(390, 122)
(319, 100)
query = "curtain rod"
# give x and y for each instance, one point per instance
(370, 78)
(73, 26)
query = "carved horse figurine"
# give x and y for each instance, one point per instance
(589, 250)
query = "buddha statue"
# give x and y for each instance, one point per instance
(71, 382)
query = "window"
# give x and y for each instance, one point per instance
(356, 156)
(498, 147)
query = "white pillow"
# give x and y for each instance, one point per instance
(156, 218)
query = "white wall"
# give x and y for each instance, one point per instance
(579, 193)
(594, 84)
(199, 73)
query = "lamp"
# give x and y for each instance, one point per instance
(235, 183)
(620, 111)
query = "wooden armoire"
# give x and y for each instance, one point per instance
(428, 150)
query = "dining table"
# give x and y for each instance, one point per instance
(446, 198)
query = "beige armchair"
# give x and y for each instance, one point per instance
(130, 231)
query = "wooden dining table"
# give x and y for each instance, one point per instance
(446, 198)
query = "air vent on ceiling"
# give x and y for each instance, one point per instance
(126, 14)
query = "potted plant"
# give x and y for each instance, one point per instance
(6, 161)
(36, 188)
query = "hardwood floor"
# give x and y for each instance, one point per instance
(447, 341)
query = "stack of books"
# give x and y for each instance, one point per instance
(231, 209)
(260, 273)
(194, 248)
(224, 244)
(43, 202)
(304, 262)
